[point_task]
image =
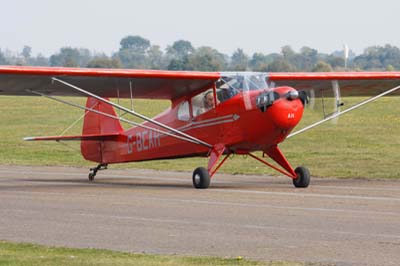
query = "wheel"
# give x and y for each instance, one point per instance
(201, 178)
(91, 176)
(303, 177)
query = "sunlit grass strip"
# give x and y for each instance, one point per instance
(18, 254)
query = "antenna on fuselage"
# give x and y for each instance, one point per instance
(130, 87)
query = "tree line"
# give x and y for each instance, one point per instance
(136, 52)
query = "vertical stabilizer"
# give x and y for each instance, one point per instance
(95, 124)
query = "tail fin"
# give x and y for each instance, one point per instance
(97, 124)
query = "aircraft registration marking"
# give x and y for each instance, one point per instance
(143, 141)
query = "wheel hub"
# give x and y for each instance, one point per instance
(197, 179)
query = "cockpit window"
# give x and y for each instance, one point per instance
(242, 81)
(230, 84)
(256, 82)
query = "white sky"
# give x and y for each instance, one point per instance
(254, 25)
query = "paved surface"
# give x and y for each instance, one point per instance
(339, 222)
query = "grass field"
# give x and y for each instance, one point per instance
(14, 254)
(364, 143)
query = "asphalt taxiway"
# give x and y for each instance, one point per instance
(334, 221)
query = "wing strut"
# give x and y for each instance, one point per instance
(339, 113)
(195, 140)
(110, 116)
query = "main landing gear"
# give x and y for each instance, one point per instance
(93, 171)
(202, 176)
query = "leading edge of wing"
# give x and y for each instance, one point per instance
(152, 84)
(293, 76)
(106, 72)
(350, 83)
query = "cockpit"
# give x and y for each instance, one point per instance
(232, 83)
(229, 85)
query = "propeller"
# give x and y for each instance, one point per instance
(323, 102)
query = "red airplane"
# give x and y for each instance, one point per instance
(212, 114)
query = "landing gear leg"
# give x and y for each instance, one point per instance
(93, 171)
(301, 175)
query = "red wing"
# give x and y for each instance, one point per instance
(350, 83)
(149, 84)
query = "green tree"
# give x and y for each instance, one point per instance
(3, 60)
(155, 58)
(322, 66)
(239, 60)
(287, 52)
(260, 62)
(39, 60)
(135, 43)
(280, 65)
(26, 52)
(180, 49)
(131, 59)
(132, 52)
(179, 64)
(378, 58)
(308, 58)
(335, 61)
(104, 61)
(303, 61)
(390, 68)
(206, 59)
(71, 57)
(178, 54)
(390, 55)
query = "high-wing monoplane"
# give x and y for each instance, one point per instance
(212, 114)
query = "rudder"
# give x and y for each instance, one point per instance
(96, 124)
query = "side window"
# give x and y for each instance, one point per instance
(203, 102)
(198, 104)
(183, 111)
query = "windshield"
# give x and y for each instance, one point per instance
(242, 81)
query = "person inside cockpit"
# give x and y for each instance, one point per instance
(209, 100)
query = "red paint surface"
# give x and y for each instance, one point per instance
(251, 130)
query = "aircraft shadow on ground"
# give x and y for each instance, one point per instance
(131, 183)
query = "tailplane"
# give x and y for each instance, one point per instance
(98, 131)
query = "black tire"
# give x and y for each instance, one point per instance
(201, 178)
(303, 177)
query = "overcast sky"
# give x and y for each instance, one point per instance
(254, 25)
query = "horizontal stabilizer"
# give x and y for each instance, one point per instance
(81, 137)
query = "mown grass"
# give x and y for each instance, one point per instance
(17, 254)
(364, 143)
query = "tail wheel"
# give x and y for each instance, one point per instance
(201, 178)
(303, 177)
(91, 176)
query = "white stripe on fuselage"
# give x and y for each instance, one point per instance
(210, 122)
